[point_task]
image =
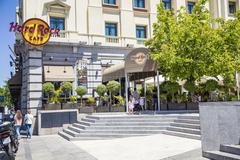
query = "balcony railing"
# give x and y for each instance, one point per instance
(141, 41)
(61, 34)
(112, 39)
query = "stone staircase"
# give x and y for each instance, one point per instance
(185, 126)
(227, 152)
(108, 126)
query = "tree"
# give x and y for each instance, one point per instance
(101, 90)
(187, 47)
(81, 91)
(113, 88)
(48, 89)
(171, 88)
(5, 92)
(66, 88)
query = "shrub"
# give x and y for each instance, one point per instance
(81, 91)
(211, 85)
(66, 88)
(56, 96)
(170, 88)
(73, 99)
(120, 100)
(101, 90)
(48, 88)
(113, 87)
(91, 100)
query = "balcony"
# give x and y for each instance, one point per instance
(112, 39)
(61, 34)
(141, 41)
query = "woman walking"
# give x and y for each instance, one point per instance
(28, 119)
(18, 123)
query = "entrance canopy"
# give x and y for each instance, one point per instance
(58, 73)
(137, 65)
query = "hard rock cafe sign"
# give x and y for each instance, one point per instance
(35, 31)
(139, 58)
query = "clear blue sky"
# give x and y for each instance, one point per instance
(7, 9)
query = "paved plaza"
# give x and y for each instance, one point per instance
(154, 147)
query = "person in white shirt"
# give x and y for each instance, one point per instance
(28, 120)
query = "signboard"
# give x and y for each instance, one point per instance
(1, 98)
(82, 72)
(35, 31)
(139, 58)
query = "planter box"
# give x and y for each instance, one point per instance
(177, 106)
(52, 106)
(102, 109)
(192, 106)
(87, 110)
(70, 105)
(118, 109)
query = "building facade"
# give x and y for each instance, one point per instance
(94, 34)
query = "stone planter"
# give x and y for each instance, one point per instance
(102, 109)
(87, 110)
(118, 109)
(70, 105)
(192, 106)
(176, 106)
(52, 106)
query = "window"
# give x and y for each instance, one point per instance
(190, 6)
(111, 2)
(110, 29)
(139, 3)
(167, 4)
(232, 7)
(141, 32)
(56, 22)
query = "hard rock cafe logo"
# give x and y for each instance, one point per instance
(140, 58)
(35, 31)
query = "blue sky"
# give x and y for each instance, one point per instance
(7, 9)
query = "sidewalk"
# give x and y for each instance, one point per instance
(50, 148)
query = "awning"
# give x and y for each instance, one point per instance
(59, 74)
(16, 80)
(114, 72)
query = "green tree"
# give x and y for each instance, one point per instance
(81, 91)
(101, 90)
(113, 88)
(5, 92)
(48, 88)
(66, 88)
(171, 88)
(187, 47)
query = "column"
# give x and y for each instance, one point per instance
(34, 83)
(126, 90)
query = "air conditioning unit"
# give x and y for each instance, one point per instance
(97, 43)
(130, 45)
(82, 42)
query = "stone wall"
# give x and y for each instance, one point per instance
(220, 124)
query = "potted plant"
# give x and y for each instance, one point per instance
(81, 91)
(163, 98)
(72, 104)
(192, 103)
(101, 90)
(55, 101)
(90, 102)
(66, 88)
(48, 89)
(119, 106)
(113, 88)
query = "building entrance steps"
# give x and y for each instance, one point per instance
(105, 126)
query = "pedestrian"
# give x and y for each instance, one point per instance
(130, 106)
(18, 123)
(28, 120)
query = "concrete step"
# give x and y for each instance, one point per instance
(146, 132)
(87, 124)
(189, 117)
(233, 149)
(184, 130)
(186, 125)
(120, 127)
(190, 121)
(218, 155)
(65, 135)
(70, 132)
(133, 117)
(181, 134)
(126, 120)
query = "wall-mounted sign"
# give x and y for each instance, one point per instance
(139, 58)
(35, 31)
